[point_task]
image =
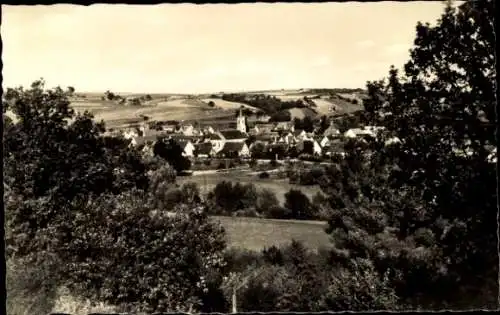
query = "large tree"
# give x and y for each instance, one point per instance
(429, 212)
(78, 203)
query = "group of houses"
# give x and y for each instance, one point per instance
(274, 137)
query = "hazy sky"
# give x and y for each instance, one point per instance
(189, 48)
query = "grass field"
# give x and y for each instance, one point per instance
(256, 233)
(228, 105)
(280, 187)
(158, 109)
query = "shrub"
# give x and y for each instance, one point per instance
(299, 205)
(266, 200)
(162, 270)
(264, 175)
(278, 212)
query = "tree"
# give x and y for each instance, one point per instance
(163, 270)
(109, 95)
(437, 201)
(71, 90)
(172, 153)
(323, 125)
(211, 104)
(68, 158)
(266, 201)
(298, 204)
(257, 150)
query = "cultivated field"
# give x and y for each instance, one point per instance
(164, 108)
(256, 233)
(228, 105)
(280, 187)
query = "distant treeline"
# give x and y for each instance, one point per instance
(269, 104)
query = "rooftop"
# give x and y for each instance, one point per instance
(230, 134)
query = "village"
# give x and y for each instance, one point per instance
(260, 139)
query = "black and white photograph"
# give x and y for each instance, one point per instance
(250, 157)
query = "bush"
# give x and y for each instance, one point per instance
(126, 267)
(278, 212)
(207, 162)
(264, 175)
(299, 205)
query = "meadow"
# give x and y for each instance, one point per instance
(256, 233)
(160, 108)
(280, 187)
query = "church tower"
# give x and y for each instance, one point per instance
(241, 122)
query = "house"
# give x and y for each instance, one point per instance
(217, 142)
(181, 137)
(263, 128)
(233, 135)
(334, 148)
(299, 134)
(151, 136)
(325, 141)
(187, 147)
(144, 141)
(331, 131)
(234, 149)
(131, 133)
(309, 147)
(358, 132)
(187, 130)
(203, 149)
(284, 125)
(208, 130)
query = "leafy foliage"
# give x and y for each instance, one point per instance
(161, 270)
(171, 151)
(425, 209)
(78, 206)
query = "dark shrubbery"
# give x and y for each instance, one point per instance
(264, 175)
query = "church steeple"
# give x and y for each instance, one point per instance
(241, 122)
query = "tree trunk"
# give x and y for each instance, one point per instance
(234, 310)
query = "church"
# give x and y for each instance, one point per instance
(241, 123)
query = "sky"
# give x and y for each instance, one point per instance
(187, 48)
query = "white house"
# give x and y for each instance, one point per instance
(188, 130)
(355, 132)
(235, 149)
(217, 142)
(316, 147)
(325, 141)
(131, 133)
(208, 130)
(331, 130)
(300, 134)
(187, 148)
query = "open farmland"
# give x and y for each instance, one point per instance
(220, 103)
(280, 187)
(256, 234)
(158, 109)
